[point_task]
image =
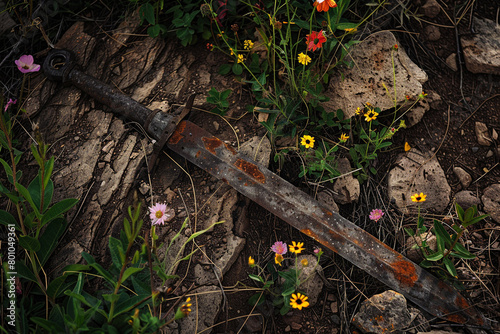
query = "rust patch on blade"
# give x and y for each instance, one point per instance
(212, 143)
(177, 135)
(404, 271)
(250, 169)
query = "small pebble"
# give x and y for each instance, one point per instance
(475, 149)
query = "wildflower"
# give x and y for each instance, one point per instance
(279, 247)
(315, 40)
(159, 214)
(407, 147)
(9, 103)
(210, 46)
(184, 310)
(235, 27)
(370, 115)
(221, 33)
(418, 198)
(318, 252)
(251, 262)
(350, 30)
(296, 247)
(422, 95)
(278, 258)
(232, 52)
(324, 5)
(376, 214)
(304, 59)
(395, 47)
(248, 44)
(407, 97)
(343, 138)
(358, 111)
(299, 301)
(304, 262)
(307, 141)
(402, 124)
(241, 59)
(25, 64)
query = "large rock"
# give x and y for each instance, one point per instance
(383, 313)
(481, 50)
(417, 172)
(373, 68)
(491, 201)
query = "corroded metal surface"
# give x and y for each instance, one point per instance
(329, 228)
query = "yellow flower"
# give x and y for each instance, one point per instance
(278, 258)
(299, 301)
(232, 52)
(251, 262)
(350, 30)
(418, 198)
(343, 138)
(241, 59)
(307, 141)
(184, 310)
(304, 262)
(422, 95)
(407, 147)
(358, 111)
(304, 59)
(370, 115)
(248, 44)
(296, 247)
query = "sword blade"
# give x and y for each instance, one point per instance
(315, 220)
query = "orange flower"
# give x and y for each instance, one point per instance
(315, 40)
(324, 5)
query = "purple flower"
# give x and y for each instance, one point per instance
(376, 214)
(279, 247)
(159, 214)
(9, 103)
(26, 64)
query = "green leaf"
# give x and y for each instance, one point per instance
(117, 253)
(434, 256)
(409, 231)
(450, 267)
(130, 271)
(288, 292)
(50, 238)
(49, 167)
(441, 234)
(23, 272)
(256, 298)
(224, 69)
(147, 12)
(58, 209)
(26, 194)
(129, 303)
(29, 243)
(460, 212)
(256, 278)
(7, 168)
(237, 69)
(54, 288)
(8, 219)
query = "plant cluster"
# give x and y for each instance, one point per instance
(281, 285)
(448, 244)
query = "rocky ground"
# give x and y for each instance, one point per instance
(454, 157)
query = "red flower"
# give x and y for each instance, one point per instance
(315, 40)
(324, 5)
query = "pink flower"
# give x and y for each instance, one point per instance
(9, 103)
(26, 64)
(279, 247)
(159, 214)
(376, 214)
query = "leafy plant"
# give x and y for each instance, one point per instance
(448, 245)
(219, 99)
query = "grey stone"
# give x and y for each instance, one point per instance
(483, 136)
(352, 88)
(326, 198)
(431, 8)
(432, 33)
(491, 201)
(383, 313)
(346, 188)
(466, 199)
(206, 304)
(451, 61)
(418, 173)
(257, 149)
(463, 176)
(481, 49)
(312, 284)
